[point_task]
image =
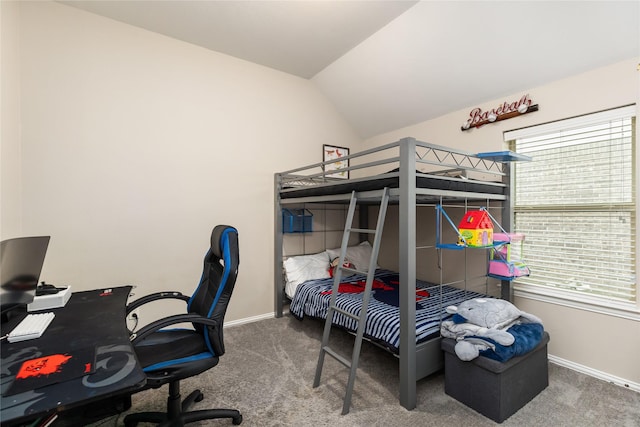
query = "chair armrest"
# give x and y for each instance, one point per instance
(155, 297)
(168, 321)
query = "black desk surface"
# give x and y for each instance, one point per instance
(90, 319)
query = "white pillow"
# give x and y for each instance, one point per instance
(359, 255)
(305, 267)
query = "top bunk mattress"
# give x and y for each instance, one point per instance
(437, 170)
(392, 180)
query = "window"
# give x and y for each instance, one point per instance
(575, 203)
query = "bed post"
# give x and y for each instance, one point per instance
(277, 249)
(407, 272)
(506, 290)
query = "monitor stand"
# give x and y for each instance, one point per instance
(13, 307)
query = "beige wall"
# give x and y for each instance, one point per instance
(598, 342)
(9, 120)
(608, 87)
(135, 145)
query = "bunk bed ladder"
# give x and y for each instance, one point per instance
(360, 318)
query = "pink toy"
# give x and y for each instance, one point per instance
(506, 258)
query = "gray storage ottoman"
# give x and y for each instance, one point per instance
(496, 390)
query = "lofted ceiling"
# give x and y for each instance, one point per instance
(389, 64)
(299, 37)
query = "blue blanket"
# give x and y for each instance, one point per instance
(383, 318)
(527, 337)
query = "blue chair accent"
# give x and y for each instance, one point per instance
(169, 355)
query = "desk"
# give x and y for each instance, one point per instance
(91, 319)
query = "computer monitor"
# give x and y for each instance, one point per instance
(21, 261)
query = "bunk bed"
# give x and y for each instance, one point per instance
(415, 173)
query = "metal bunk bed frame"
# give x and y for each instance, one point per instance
(416, 361)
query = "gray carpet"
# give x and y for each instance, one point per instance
(267, 374)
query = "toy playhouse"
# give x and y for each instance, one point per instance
(506, 258)
(476, 229)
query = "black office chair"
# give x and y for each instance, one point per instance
(167, 356)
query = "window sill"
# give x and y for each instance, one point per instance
(618, 309)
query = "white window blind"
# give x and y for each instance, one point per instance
(575, 203)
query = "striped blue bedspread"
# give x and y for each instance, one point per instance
(383, 317)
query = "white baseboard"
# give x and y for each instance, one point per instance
(249, 320)
(595, 373)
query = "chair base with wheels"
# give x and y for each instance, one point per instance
(177, 411)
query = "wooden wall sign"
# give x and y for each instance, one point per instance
(506, 110)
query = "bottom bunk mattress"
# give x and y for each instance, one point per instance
(383, 316)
